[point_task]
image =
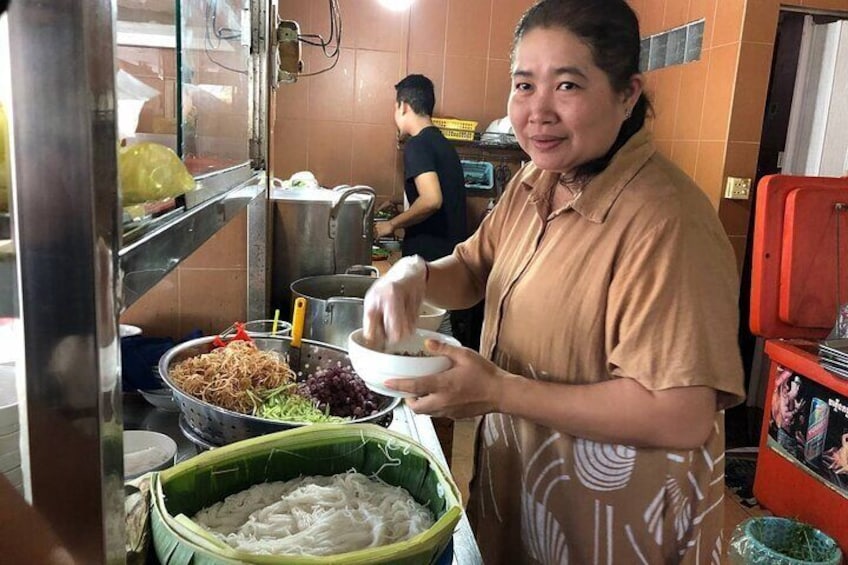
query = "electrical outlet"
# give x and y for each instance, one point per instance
(737, 188)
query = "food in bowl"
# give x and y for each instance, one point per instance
(146, 451)
(405, 359)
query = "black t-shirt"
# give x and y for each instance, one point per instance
(437, 235)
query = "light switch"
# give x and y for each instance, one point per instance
(737, 188)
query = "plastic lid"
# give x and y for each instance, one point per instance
(314, 195)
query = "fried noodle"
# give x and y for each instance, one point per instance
(235, 377)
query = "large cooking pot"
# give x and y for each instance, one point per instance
(318, 232)
(334, 305)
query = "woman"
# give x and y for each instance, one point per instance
(609, 348)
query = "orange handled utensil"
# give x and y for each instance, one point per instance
(298, 319)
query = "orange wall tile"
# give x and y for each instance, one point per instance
(749, 98)
(690, 105)
(651, 17)
(709, 169)
(664, 88)
(728, 18)
(760, 23)
(374, 158)
(675, 14)
(703, 9)
(504, 18)
(685, 154)
(498, 85)
(718, 93)
(465, 87)
(469, 23)
(374, 93)
(331, 94)
(331, 152)
(207, 291)
(430, 29)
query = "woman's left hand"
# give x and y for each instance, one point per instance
(471, 387)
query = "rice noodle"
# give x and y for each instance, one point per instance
(316, 516)
(232, 377)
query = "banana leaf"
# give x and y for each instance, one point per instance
(319, 449)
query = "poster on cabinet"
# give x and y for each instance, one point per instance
(808, 424)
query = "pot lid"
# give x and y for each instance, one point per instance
(315, 195)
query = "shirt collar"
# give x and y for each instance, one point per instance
(602, 191)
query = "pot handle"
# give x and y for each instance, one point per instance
(333, 300)
(345, 192)
(375, 272)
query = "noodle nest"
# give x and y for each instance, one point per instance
(316, 515)
(236, 377)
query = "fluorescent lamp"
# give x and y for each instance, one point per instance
(396, 5)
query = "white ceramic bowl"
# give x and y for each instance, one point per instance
(161, 398)
(126, 330)
(10, 443)
(9, 461)
(8, 401)
(430, 317)
(15, 476)
(146, 451)
(375, 367)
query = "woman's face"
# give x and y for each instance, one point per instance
(562, 107)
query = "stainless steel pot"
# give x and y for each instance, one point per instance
(334, 305)
(318, 232)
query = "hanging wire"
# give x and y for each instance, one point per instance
(330, 46)
(841, 321)
(221, 34)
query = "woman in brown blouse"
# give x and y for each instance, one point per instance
(609, 351)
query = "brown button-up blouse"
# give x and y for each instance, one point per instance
(632, 278)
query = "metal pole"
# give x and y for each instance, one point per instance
(263, 62)
(67, 216)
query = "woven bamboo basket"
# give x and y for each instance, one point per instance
(319, 449)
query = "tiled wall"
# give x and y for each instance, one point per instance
(207, 291)
(340, 125)
(709, 113)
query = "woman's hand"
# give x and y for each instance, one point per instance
(392, 303)
(471, 387)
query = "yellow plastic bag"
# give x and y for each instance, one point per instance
(150, 171)
(4, 162)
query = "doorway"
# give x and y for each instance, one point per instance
(805, 127)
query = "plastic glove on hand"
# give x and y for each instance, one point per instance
(392, 303)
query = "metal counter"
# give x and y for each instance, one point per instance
(139, 415)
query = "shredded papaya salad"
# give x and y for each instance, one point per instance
(241, 378)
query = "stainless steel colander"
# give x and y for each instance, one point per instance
(220, 427)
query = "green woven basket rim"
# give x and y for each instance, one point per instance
(766, 521)
(200, 541)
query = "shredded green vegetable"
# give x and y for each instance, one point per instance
(283, 404)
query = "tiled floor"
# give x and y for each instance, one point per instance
(462, 463)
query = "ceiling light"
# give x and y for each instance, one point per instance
(396, 5)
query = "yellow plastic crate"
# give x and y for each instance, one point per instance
(452, 124)
(461, 135)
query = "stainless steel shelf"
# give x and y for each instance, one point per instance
(147, 260)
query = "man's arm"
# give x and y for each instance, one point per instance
(428, 203)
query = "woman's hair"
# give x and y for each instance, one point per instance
(610, 29)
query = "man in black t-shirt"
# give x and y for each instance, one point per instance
(433, 179)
